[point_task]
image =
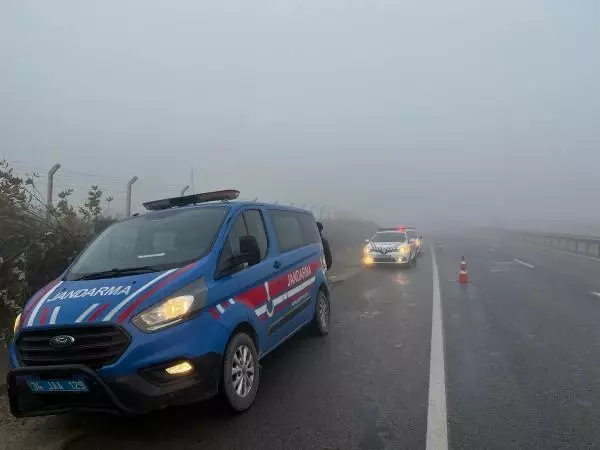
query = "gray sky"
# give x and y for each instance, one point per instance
(415, 111)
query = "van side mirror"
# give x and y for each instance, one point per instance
(249, 254)
(420, 237)
(367, 241)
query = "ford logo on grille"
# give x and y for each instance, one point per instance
(62, 341)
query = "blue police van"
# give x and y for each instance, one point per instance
(170, 307)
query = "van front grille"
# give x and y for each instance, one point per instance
(95, 346)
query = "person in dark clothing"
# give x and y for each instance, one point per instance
(326, 248)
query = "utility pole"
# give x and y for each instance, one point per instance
(321, 212)
(128, 200)
(187, 186)
(51, 173)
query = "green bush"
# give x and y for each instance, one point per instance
(36, 243)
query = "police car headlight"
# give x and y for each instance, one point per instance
(404, 249)
(174, 309)
(16, 326)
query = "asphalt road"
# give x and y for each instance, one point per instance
(521, 351)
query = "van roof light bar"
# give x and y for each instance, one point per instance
(204, 197)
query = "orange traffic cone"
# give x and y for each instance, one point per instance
(463, 275)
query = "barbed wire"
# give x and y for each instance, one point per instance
(116, 186)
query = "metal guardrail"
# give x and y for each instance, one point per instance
(583, 245)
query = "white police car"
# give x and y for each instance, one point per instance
(390, 246)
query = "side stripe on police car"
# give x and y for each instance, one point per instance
(91, 313)
(86, 313)
(283, 297)
(127, 299)
(40, 303)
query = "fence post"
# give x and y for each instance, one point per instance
(50, 188)
(128, 200)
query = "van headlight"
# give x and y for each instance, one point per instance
(174, 309)
(16, 326)
(404, 249)
(366, 250)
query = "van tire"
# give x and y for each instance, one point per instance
(322, 318)
(241, 361)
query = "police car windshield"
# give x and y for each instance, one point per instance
(159, 240)
(389, 236)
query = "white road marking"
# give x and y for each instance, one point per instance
(40, 303)
(497, 270)
(593, 258)
(531, 266)
(597, 294)
(86, 312)
(492, 250)
(54, 316)
(437, 422)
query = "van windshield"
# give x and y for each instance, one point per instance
(155, 241)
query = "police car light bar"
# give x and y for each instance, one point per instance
(393, 229)
(174, 202)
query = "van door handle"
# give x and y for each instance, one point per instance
(276, 265)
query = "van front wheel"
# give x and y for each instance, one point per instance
(241, 373)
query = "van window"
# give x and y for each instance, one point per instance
(232, 244)
(256, 228)
(293, 229)
(310, 232)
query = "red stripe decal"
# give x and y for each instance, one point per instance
(282, 284)
(257, 296)
(292, 298)
(253, 297)
(152, 291)
(44, 316)
(24, 318)
(97, 312)
(278, 285)
(39, 296)
(225, 304)
(214, 313)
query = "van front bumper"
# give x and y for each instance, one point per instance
(148, 389)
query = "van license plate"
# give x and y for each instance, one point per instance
(57, 385)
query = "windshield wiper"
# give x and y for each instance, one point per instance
(118, 273)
